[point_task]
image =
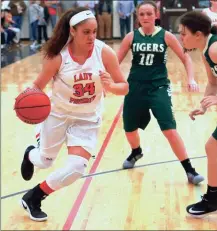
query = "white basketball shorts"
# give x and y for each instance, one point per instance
(74, 131)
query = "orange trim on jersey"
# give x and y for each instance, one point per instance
(76, 60)
(45, 188)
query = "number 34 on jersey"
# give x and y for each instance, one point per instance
(81, 90)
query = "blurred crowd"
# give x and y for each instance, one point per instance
(44, 12)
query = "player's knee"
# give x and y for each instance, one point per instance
(46, 162)
(74, 170)
(210, 148)
(170, 134)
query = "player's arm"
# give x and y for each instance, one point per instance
(210, 97)
(50, 68)
(175, 45)
(125, 46)
(211, 88)
(213, 53)
(113, 79)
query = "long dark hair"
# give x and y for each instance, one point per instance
(60, 34)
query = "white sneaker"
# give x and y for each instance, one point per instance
(33, 46)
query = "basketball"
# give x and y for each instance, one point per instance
(32, 106)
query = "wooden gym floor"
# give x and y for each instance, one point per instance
(152, 196)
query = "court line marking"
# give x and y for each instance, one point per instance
(111, 171)
(76, 205)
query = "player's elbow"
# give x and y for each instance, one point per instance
(120, 57)
(126, 88)
(212, 82)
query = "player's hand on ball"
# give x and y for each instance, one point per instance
(196, 112)
(106, 80)
(32, 89)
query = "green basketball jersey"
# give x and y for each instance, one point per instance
(211, 39)
(149, 56)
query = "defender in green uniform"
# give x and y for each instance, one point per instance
(196, 32)
(149, 86)
(213, 65)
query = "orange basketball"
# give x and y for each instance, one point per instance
(32, 106)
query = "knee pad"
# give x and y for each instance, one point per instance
(40, 161)
(74, 169)
(46, 162)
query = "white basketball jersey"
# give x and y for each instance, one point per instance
(212, 15)
(77, 88)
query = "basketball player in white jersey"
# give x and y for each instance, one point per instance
(212, 12)
(81, 68)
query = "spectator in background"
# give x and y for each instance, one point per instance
(3, 35)
(204, 3)
(135, 21)
(66, 5)
(34, 11)
(157, 21)
(125, 10)
(137, 2)
(212, 12)
(104, 16)
(18, 8)
(7, 35)
(52, 9)
(4, 4)
(3, 40)
(89, 4)
(9, 25)
(42, 22)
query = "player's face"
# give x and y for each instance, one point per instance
(85, 33)
(188, 39)
(213, 2)
(146, 15)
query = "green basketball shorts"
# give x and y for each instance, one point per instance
(143, 98)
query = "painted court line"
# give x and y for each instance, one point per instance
(81, 195)
(140, 166)
(112, 171)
